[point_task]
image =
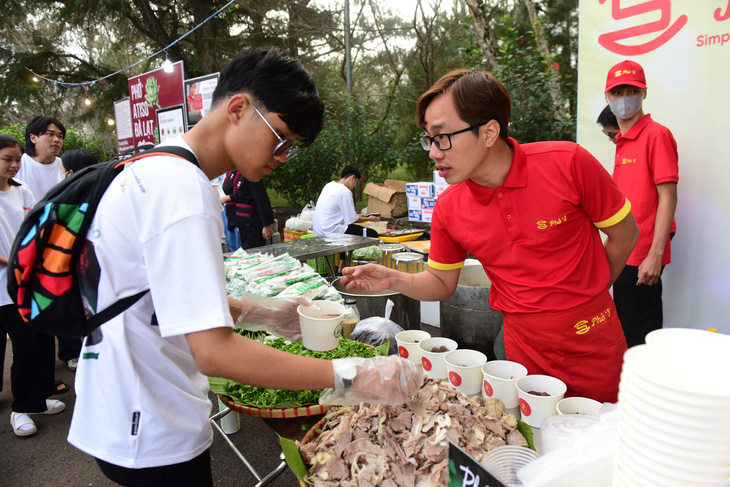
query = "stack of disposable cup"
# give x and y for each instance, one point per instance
(673, 421)
(560, 430)
(505, 461)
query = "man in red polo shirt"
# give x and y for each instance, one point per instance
(646, 170)
(531, 215)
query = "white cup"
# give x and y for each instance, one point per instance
(579, 405)
(535, 409)
(464, 368)
(433, 362)
(408, 344)
(500, 377)
(321, 325)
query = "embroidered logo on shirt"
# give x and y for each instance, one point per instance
(543, 224)
(584, 326)
(628, 161)
(135, 422)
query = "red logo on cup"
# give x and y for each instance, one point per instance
(403, 352)
(455, 378)
(525, 408)
(426, 364)
(488, 389)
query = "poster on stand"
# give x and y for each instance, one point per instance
(171, 122)
(150, 92)
(123, 124)
(199, 97)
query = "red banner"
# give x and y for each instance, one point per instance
(149, 92)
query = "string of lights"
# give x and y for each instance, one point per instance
(167, 65)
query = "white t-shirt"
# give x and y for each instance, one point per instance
(335, 209)
(14, 205)
(141, 400)
(39, 177)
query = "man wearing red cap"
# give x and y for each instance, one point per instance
(646, 170)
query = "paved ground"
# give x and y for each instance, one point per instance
(46, 459)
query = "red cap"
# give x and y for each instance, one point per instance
(626, 73)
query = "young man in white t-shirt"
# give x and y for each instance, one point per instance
(41, 169)
(142, 408)
(335, 210)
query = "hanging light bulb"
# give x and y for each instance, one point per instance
(167, 65)
(87, 101)
(35, 79)
(110, 121)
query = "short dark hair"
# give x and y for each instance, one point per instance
(280, 84)
(36, 127)
(607, 118)
(477, 95)
(348, 171)
(10, 141)
(77, 159)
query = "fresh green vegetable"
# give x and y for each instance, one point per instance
(367, 253)
(277, 398)
(526, 431)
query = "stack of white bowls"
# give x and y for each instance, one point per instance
(562, 429)
(674, 399)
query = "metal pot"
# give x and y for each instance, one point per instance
(406, 311)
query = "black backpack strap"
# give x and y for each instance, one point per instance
(113, 310)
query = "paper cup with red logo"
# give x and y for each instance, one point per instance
(408, 344)
(464, 369)
(535, 408)
(433, 362)
(500, 379)
(579, 405)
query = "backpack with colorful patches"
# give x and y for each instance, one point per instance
(48, 254)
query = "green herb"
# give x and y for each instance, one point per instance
(526, 431)
(278, 398)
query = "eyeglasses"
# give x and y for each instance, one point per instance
(285, 146)
(443, 141)
(611, 135)
(51, 133)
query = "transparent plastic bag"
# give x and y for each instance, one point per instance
(376, 330)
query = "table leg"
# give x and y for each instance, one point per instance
(330, 269)
(262, 481)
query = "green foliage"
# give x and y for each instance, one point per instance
(103, 148)
(522, 69)
(352, 135)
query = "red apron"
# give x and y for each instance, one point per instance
(582, 346)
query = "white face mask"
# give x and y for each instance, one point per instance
(626, 106)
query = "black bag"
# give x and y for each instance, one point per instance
(44, 260)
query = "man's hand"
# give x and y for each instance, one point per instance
(367, 278)
(650, 271)
(267, 232)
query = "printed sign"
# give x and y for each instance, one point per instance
(465, 471)
(123, 124)
(171, 122)
(199, 97)
(148, 93)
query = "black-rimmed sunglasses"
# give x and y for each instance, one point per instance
(443, 141)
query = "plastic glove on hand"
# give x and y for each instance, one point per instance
(386, 380)
(281, 319)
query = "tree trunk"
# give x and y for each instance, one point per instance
(483, 30)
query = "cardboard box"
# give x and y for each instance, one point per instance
(414, 202)
(439, 188)
(438, 179)
(420, 215)
(426, 190)
(428, 203)
(387, 199)
(412, 190)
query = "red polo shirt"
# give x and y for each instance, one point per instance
(536, 235)
(645, 157)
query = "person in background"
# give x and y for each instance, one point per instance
(41, 169)
(609, 124)
(531, 215)
(75, 160)
(225, 190)
(335, 210)
(144, 378)
(646, 170)
(32, 372)
(254, 216)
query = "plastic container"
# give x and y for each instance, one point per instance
(505, 461)
(352, 317)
